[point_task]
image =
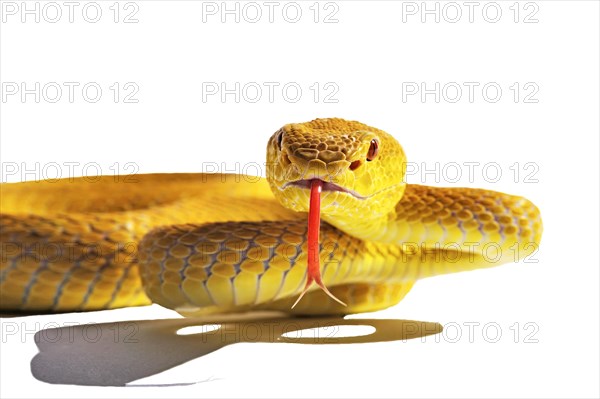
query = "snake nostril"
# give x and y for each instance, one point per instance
(355, 164)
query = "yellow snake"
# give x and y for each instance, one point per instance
(218, 243)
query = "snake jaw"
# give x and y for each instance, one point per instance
(326, 186)
(314, 223)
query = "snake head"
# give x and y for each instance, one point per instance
(362, 167)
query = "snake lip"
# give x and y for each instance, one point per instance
(327, 186)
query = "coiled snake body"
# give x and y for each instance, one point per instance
(212, 243)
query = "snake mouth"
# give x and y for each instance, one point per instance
(326, 186)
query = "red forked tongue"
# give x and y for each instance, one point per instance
(314, 223)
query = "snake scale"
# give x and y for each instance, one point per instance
(218, 243)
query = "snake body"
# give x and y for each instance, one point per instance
(218, 243)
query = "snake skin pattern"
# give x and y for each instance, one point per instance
(212, 243)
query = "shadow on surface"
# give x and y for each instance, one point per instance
(115, 354)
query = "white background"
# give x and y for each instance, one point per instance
(371, 55)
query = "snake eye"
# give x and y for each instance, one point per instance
(373, 150)
(279, 140)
